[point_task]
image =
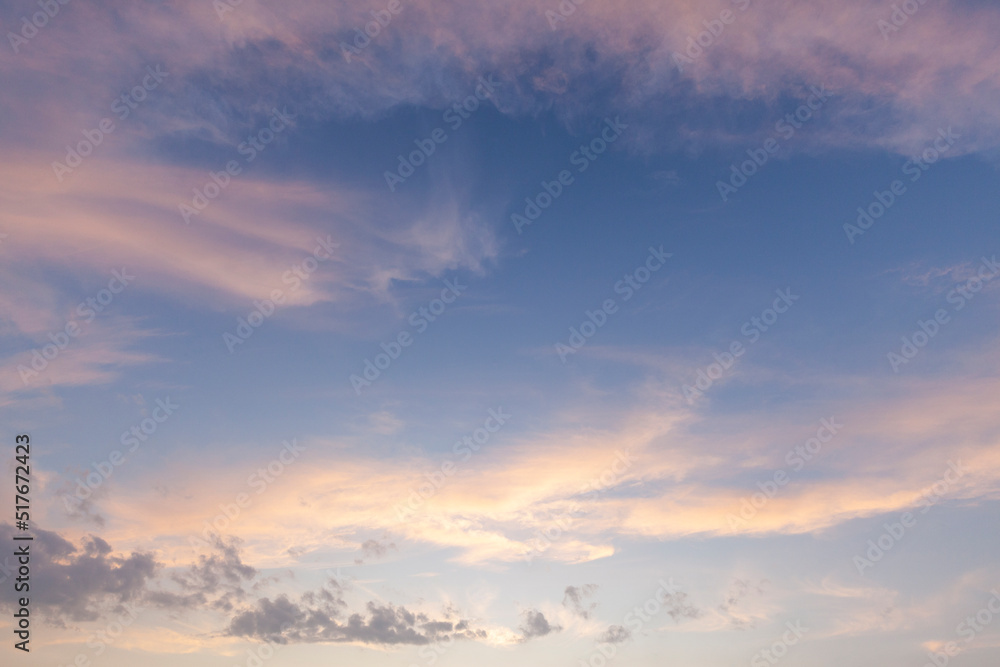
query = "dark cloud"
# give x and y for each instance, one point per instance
(215, 582)
(677, 607)
(615, 634)
(88, 581)
(374, 549)
(79, 583)
(535, 625)
(321, 617)
(574, 599)
(269, 621)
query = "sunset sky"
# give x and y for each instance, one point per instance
(548, 333)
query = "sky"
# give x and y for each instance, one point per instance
(410, 333)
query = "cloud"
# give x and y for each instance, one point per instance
(215, 581)
(66, 239)
(615, 634)
(80, 583)
(384, 422)
(121, 205)
(574, 597)
(241, 247)
(89, 581)
(320, 617)
(534, 624)
(682, 480)
(891, 91)
(374, 549)
(100, 354)
(678, 608)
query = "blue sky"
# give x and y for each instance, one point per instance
(775, 433)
